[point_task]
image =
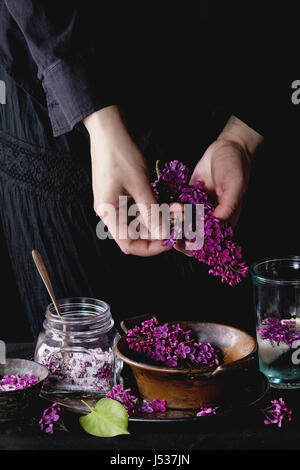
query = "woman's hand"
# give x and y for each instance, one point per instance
(224, 169)
(119, 169)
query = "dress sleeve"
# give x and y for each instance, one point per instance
(59, 40)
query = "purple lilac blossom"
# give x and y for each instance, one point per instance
(277, 331)
(205, 411)
(124, 397)
(77, 370)
(277, 413)
(153, 406)
(131, 402)
(219, 252)
(16, 382)
(50, 418)
(105, 372)
(169, 344)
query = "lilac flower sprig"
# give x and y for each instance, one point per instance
(16, 382)
(153, 406)
(277, 413)
(219, 251)
(131, 402)
(277, 331)
(172, 346)
(51, 419)
(124, 397)
(205, 411)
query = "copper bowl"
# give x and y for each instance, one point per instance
(187, 388)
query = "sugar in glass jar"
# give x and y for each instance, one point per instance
(78, 348)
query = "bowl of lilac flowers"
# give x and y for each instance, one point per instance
(20, 383)
(185, 362)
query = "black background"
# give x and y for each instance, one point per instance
(261, 50)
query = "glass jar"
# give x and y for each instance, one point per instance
(78, 348)
(277, 306)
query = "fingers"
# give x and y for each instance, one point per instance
(176, 212)
(149, 210)
(228, 214)
(141, 247)
(229, 201)
(180, 245)
(134, 241)
(198, 175)
(177, 215)
(125, 223)
(202, 173)
(129, 240)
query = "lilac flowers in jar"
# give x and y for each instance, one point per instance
(78, 348)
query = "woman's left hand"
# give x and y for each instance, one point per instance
(224, 170)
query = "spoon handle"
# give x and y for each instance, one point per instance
(38, 260)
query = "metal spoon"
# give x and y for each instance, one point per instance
(38, 260)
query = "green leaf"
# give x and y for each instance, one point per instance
(109, 418)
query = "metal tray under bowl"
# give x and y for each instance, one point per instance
(253, 387)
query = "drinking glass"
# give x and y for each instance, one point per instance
(276, 285)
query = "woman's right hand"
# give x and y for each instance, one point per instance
(119, 169)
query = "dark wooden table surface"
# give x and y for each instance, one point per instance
(239, 431)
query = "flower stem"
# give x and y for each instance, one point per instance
(62, 426)
(91, 409)
(157, 168)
